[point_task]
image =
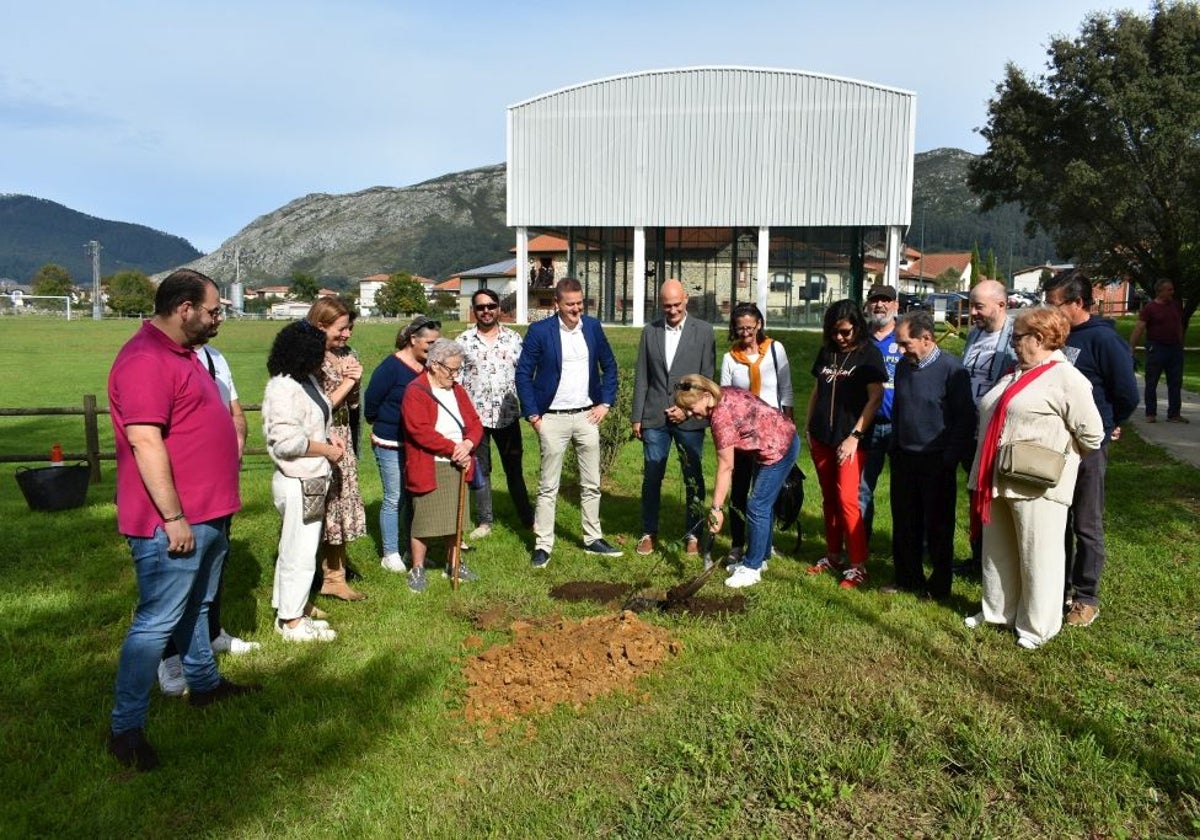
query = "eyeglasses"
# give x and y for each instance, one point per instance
(217, 312)
(879, 299)
(486, 307)
(686, 386)
(845, 333)
(1016, 336)
(453, 371)
(745, 330)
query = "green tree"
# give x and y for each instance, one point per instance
(948, 280)
(446, 302)
(401, 294)
(976, 268)
(989, 265)
(52, 279)
(1103, 149)
(304, 286)
(130, 293)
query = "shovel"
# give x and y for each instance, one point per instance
(678, 594)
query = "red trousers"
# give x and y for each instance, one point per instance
(844, 525)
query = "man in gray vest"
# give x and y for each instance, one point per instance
(671, 347)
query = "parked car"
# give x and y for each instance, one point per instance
(908, 300)
(954, 304)
(1019, 300)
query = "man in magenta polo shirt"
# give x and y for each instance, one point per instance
(177, 486)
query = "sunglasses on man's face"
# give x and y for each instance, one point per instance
(486, 307)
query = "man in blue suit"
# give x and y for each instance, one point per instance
(567, 381)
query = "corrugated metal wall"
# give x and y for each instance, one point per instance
(712, 147)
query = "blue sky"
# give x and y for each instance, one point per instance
(196, 118)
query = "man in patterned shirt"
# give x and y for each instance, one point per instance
(492, 351)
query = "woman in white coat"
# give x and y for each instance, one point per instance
(296, 423)
(1048, 402)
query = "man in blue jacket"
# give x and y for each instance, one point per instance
(567, 381)
(1100, 354)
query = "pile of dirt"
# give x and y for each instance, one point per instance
(568, 662)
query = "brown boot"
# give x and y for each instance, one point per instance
(334, 583)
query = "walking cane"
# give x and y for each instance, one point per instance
(456, 551)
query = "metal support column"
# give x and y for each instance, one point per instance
(521, 279)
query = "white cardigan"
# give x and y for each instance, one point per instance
(290, 420)
(1057, 411)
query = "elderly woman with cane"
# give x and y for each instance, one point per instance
(1033, 426)
(441, 431)
(741, 422)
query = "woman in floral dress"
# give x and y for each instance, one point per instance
(345, 517)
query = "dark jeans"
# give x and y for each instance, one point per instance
(739, 492)
(1085, 528)
(924, 487)
(1160, 359)
(508, 444)
(878, 444)
(656, 448)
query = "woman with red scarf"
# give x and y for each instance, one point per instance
(1048, 402)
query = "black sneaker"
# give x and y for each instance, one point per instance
(540, 558)
(602, 547)
(132, 749)
(223, 691)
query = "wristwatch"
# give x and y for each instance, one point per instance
(856, 434)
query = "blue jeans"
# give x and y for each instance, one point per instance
(878, 444)
(656, 448)
(760, 507)
(395, 508)
(174, 593)
(1160, 359)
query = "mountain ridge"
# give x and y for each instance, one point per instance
(456, 221)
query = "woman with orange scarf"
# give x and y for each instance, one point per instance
(1048, 402)
(759, 365)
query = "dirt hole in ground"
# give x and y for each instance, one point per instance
(565, 662)
(617, 595)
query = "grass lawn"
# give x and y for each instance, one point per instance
(817, 711)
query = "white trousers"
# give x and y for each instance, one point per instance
(555, 432)
(296, 562)
(1024, 567)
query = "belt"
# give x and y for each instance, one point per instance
(567, 410)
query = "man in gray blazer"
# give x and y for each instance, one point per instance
(671, 347)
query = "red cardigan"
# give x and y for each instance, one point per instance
(422, 441)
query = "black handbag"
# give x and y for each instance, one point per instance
(790, 498)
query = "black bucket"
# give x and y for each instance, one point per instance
(54, 488)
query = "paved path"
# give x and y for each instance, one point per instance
(1180, 440)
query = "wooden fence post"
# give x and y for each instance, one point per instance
(91, 435)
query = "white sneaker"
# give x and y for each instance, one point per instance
(484, 530)
(225, 643)
(170, 677)
(393, 563)
(1026, 643)
(238, 647)
(973, 621)
(730, 567)
(305, 631)
(743, 576)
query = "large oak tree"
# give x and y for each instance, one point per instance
(1103, 149)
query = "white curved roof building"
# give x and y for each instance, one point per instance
(746, 183)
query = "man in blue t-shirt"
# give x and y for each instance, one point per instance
(881, 316)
